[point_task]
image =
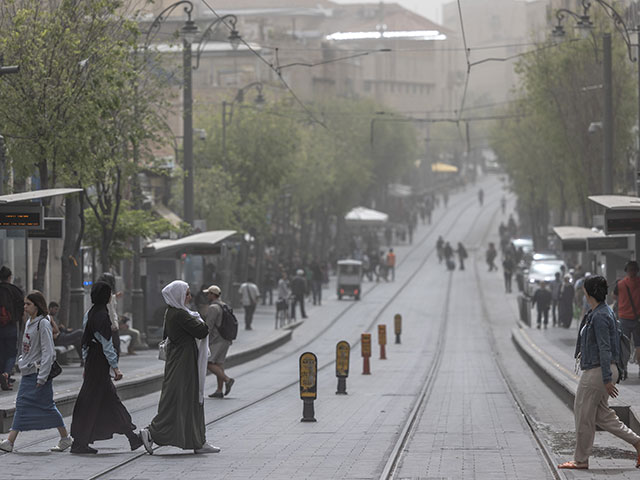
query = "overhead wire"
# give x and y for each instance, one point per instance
(274, 68)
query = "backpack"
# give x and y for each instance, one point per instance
(228, 328)
(5, 316)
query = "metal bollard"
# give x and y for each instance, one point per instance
(397, 323)
(365, 347)
(382, 341)
(342, 366)
(308, 385)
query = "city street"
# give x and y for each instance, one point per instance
(441, 405)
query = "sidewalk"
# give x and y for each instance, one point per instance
(550, 353)
(143, 372)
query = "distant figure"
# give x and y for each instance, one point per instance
(542, 300)
(299, 290)
(462, 254)
(503, 204)
(445, 198)
(317, 277)
(218, 346)
(556, 284)
(481, 196)
(491, 255)
(512, 227)
(391, 264)
(440, 248)
(448, 256)
(507, 269)
(126, 329)
(250, 296)
(565, 303)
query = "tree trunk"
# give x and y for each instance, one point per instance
(70, 254)
(43, 255)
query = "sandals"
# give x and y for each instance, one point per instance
(573, 465)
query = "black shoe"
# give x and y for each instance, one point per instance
(76, 448)
(4, 382)
(135, 442)
(216, 395)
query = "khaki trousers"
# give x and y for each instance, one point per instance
(591, 408)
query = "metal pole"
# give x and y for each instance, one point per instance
(188, 134)
(607, 176)
(224, 129)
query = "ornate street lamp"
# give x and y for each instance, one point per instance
(259, 102)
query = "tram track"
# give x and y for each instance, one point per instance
(328, 363)
(391, 468)
(463, 205)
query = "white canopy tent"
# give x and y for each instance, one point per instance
(362, 216)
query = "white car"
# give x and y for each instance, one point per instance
(542, 271)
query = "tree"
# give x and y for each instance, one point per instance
(552, 159)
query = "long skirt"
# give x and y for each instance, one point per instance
(98, 412)
(35, 408)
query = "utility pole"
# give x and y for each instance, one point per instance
(188, 133)
(607, 177)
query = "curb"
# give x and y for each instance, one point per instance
(151, 380)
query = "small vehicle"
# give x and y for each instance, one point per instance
(349, 278)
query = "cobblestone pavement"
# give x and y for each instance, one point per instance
(470, 427)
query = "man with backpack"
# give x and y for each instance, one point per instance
(223, 328)
(627, 293)
(11, 310)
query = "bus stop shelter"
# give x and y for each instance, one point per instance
(621, 220)
(202, 258)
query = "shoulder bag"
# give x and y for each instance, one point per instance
(163, 346)
(633, 307)
(56, 369)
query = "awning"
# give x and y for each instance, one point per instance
(441, 167)
(366, 216)
(622, 213)
(37, 194)
(574, 239)
(399, 190)
(205, 243)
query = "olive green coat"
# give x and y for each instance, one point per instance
(180, 418)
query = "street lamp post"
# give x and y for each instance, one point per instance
(189, 30)
(239, 98)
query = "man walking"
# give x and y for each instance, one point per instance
(391, 264)
(316, 281)
(627, 292)
(556, 285)
(542, 299)
(492, 253)
(11, 309)
(298, 290)
(507, 269)
(218, 346)
(462, 254)
(250, 295)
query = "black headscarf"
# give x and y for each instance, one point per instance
(98, 317)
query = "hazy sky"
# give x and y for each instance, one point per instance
(427, 8)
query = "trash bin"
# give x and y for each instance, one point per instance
(524, 306)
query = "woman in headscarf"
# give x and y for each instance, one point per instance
(98, 412)
(180, 418)
(112, 308)
(35, 408)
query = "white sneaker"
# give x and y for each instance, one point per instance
(63, 444)
(207, 448)
(145, 436)
(6, 446)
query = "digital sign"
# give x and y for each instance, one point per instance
(53, 228)
(21, 218)
(608, 243)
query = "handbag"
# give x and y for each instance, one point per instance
(163, 346)
(56, 369)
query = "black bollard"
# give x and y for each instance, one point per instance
(342, 366)
(308, 385)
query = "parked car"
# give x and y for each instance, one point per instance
(542, 256)
(542, 271)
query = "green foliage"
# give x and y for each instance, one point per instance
(131, 223)
(552, 159)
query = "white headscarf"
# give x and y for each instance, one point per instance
(175, 295)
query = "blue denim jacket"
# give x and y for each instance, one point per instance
(598, 344)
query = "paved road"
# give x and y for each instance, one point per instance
(468, 427)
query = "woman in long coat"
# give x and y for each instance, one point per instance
(35, 408)
(98, 412)
(180, 418)
(565, 303)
